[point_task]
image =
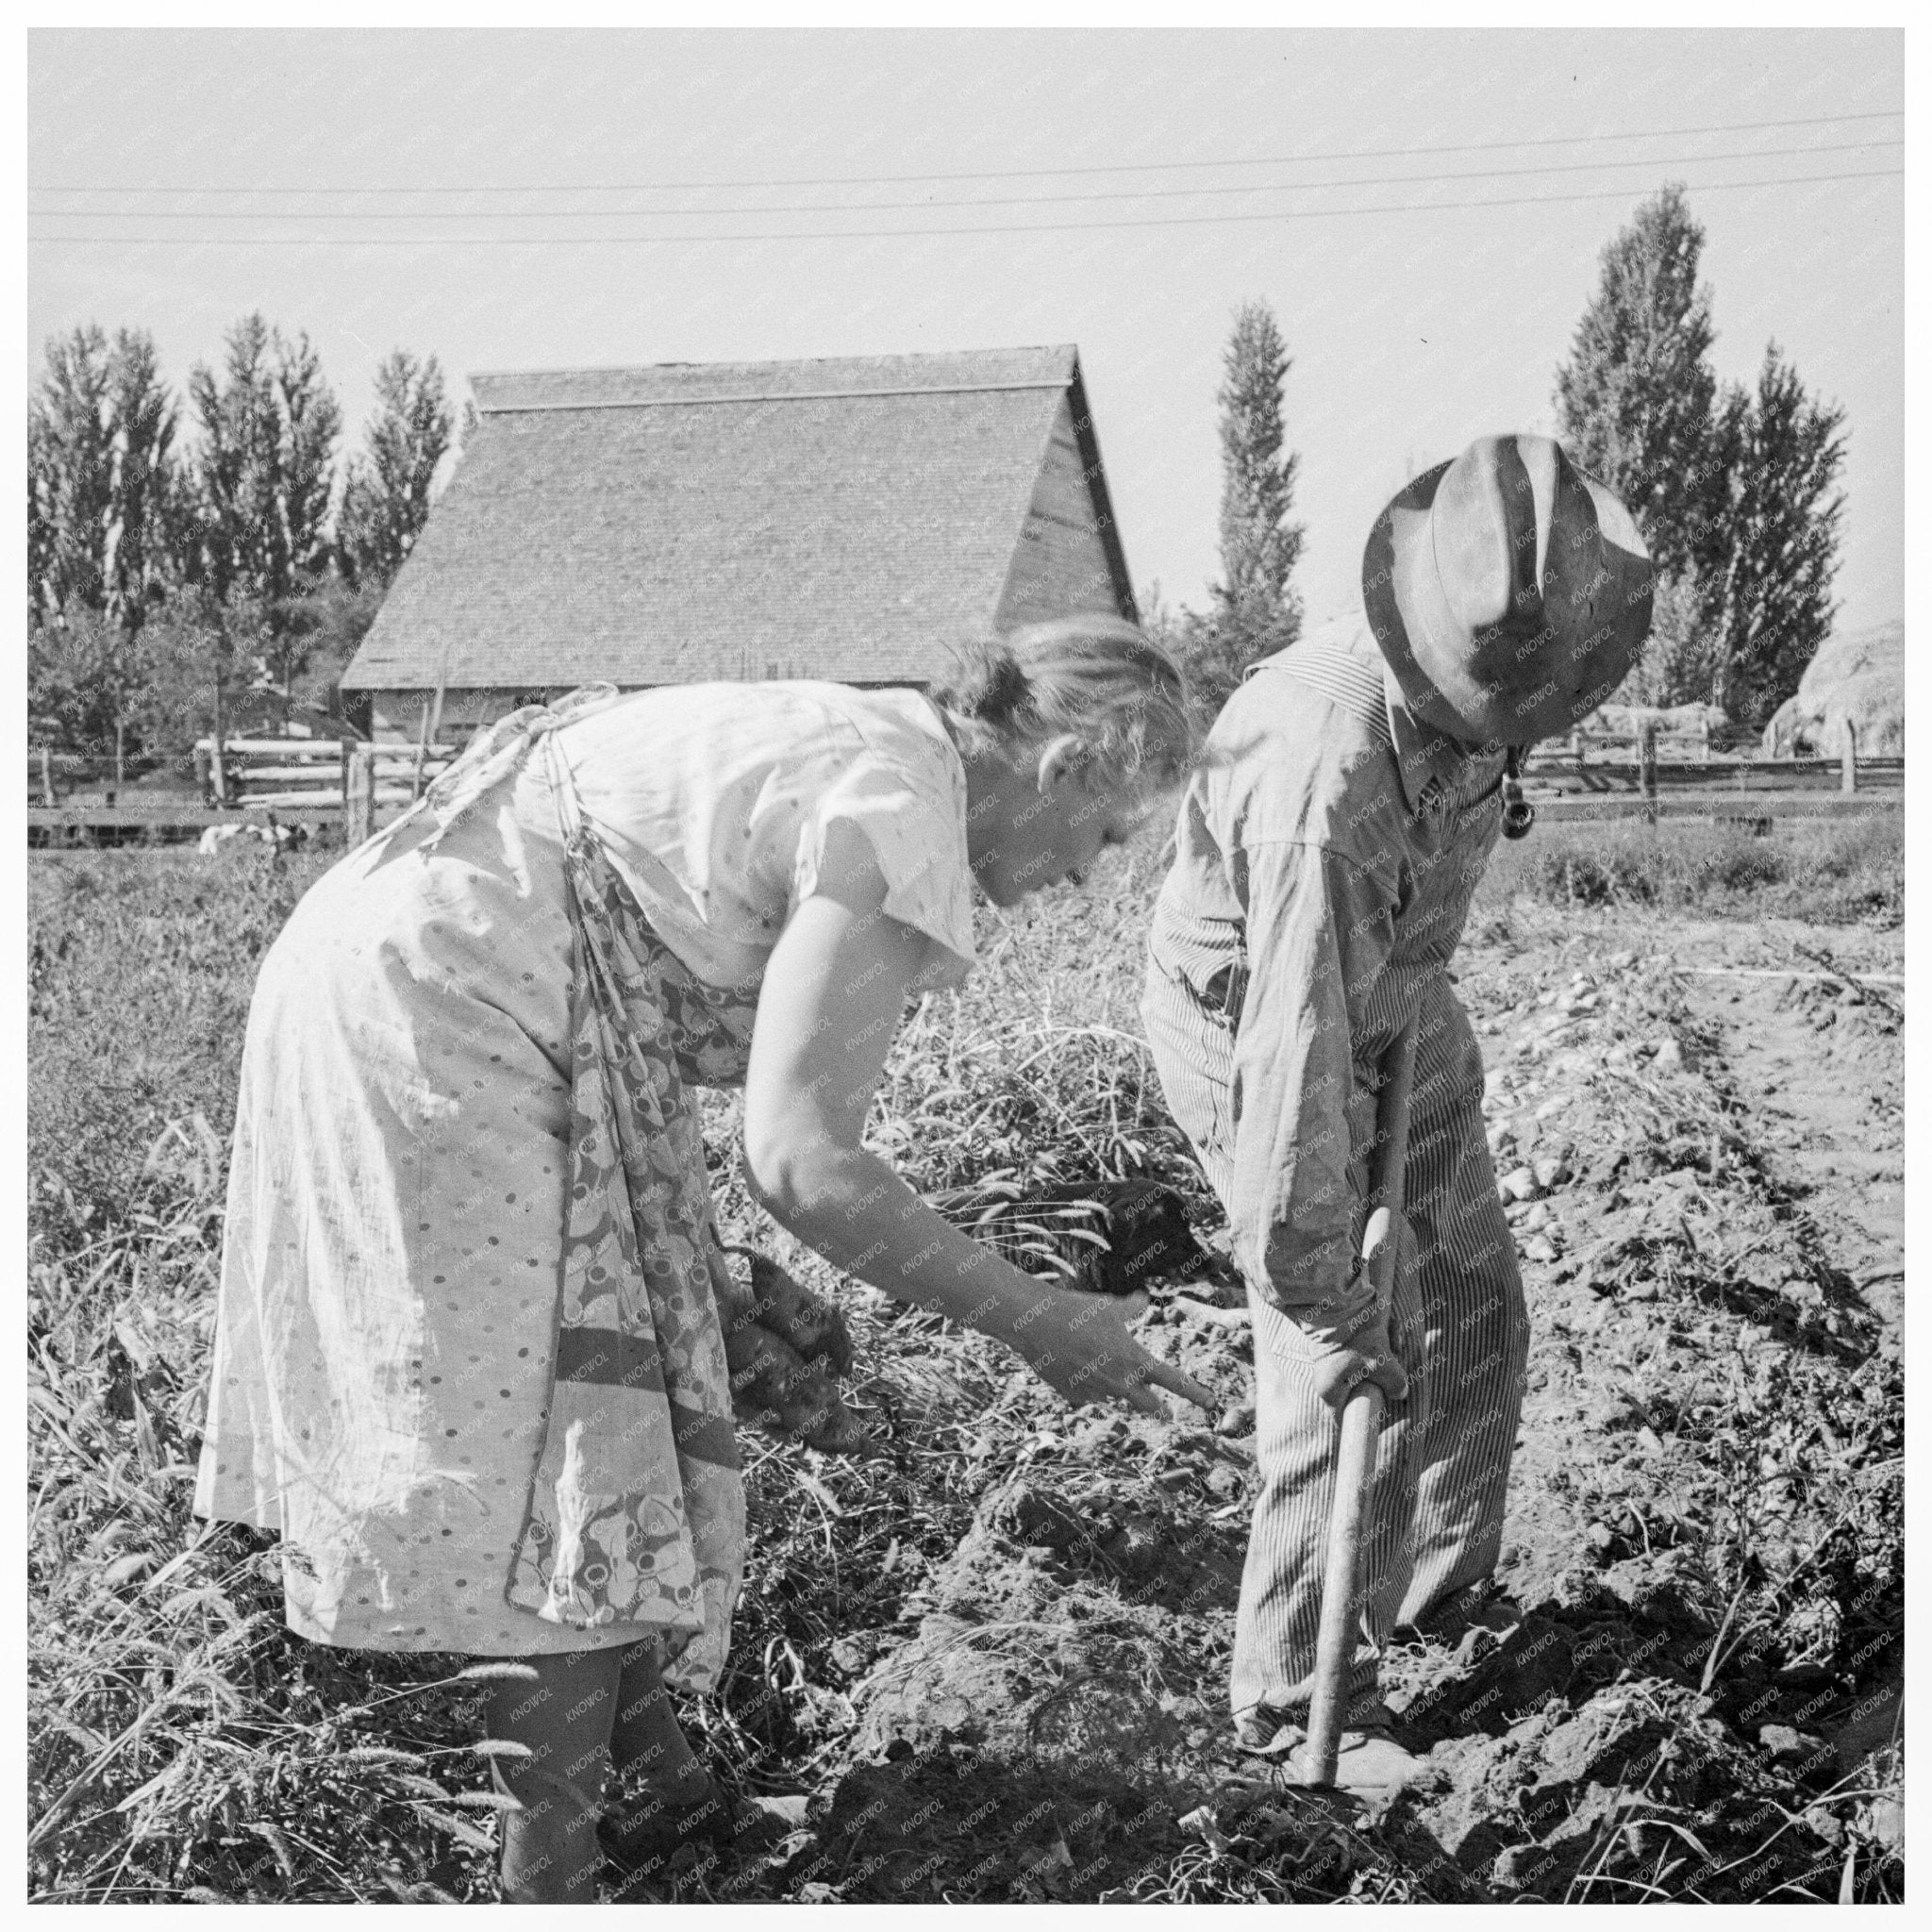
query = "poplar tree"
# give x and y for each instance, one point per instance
(1635, 397)
(1771, 557)
(71, 475)
(263, 477)
(1735, 492)
(1254, 611)
(386, 495)
(101, 491)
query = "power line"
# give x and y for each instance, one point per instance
(1364, 154)
(605, 214)
(873, 234)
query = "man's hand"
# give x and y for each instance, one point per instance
(1348, 1343)
(1365, 1357)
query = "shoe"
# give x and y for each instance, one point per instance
(1266, 1733)
(1369, 1759)
(642, 1838)
(1458, 1624)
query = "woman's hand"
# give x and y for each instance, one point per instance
(1078, 1345)
(784, 1346)
(835, 988)
(773, 1385)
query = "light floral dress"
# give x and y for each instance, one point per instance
(467, 1357)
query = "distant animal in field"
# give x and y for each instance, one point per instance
(281, 838)
(1669, 721)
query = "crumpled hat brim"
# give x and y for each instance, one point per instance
(1398, 532)
(1427, 646)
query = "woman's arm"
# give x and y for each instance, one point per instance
(834, 990)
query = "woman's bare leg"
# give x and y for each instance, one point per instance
(647, 1738)
(550, 1852)
(646, 1733)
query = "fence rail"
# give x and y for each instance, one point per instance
(314, 780)
(1554, 777)
(354, 778)
(71, 799)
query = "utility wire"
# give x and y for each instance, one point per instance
(871, 234)
(820, 208)
(1363, 154)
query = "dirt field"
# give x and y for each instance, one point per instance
(992, 1664)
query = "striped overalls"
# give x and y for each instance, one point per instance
(1326, 853)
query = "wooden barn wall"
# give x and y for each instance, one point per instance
(399, 713)
(1060, 565)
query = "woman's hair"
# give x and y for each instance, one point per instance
(1093, 676)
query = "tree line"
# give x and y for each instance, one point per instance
(1735, 488)
(177, 562)
(180, 558)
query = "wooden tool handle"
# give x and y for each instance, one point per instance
(1354, 1472)
(1361, 1425)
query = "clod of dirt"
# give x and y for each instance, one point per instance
(1028, 1515)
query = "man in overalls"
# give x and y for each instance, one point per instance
(1326, 850)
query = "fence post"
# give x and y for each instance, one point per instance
(358, 793)
(47, 776)
(1848, 764)
(218, 771)
(1577, 743)
(1646, 768)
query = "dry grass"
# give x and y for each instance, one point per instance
(1829, 871)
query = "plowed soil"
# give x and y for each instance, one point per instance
(990, 1662)
(1687, 1681)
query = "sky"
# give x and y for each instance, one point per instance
(523, 200)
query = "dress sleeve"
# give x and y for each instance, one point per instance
(912, 811)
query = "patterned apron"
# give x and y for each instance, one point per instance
(636, 1513)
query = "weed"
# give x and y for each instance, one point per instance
(1832, 870)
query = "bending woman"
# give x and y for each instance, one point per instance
(471, 1359)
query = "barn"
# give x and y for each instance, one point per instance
(845, 519)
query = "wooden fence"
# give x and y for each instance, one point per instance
(319, 779)
(312, 774)
(1606, 768)
(1614, 747)
(295, 780)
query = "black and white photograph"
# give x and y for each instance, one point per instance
(965, 964)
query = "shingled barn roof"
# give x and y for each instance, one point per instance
(838, 519)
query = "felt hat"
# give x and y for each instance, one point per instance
(1507, 591)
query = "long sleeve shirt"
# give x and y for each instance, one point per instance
(1326, 853)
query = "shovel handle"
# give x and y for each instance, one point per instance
(1361, 1425)
(1355, 1470)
